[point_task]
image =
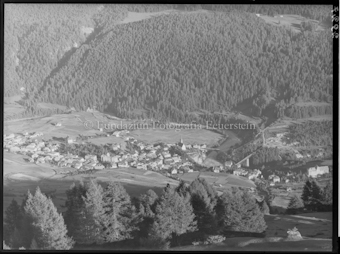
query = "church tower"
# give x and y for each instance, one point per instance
(181, 144)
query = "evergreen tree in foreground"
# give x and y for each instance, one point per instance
(295, 204)
(12, 223)
(174, 216)
(239, 212)
(312, 195)
(77, 218)
(203, 200)
(146, 210)
(316, 192)
(94, 211)
(307, 193)
(119, 215)
(327, 193)
(47, 225)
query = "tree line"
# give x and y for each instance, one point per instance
(97, 214)
(311, 133)
(265, 155)
(313, 198)
(306, 111)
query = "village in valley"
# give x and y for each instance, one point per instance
(171, 160)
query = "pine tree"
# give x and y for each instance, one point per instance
(239, 212)
(174, 216)
(77, 217)
(94, 211)
(48, 227)
(327, 193)
(118, 219)
(307, 192)
(316, 192)
(295, 204)
(146, 212)
(203, 200)
(12, 221)
(22, 235)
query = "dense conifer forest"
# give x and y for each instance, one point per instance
(168, 66)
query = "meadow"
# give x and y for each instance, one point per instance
(291, 21)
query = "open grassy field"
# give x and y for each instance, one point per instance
(230, 141)
(315, 228)
(217, 179)
(171, 136)
(317, 225)
(88, 124)
(138, 16)
(311, 103)
(282, 125)
(51, 106)
(327, 163)
(12, 109)
(232, 244)
(255, 120)
(290, 21)
(12, 106)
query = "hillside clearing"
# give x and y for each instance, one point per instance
(226, 180)
(139, 16)
(290, 21)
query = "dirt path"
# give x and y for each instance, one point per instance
(22, 119)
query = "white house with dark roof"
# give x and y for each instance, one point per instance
(316, 171)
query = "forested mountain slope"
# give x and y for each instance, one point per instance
(38, 36)
(174, 64)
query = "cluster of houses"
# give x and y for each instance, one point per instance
(149, 157)
(89, 162)
(47, 152)
(22, 143)
(142, 156)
